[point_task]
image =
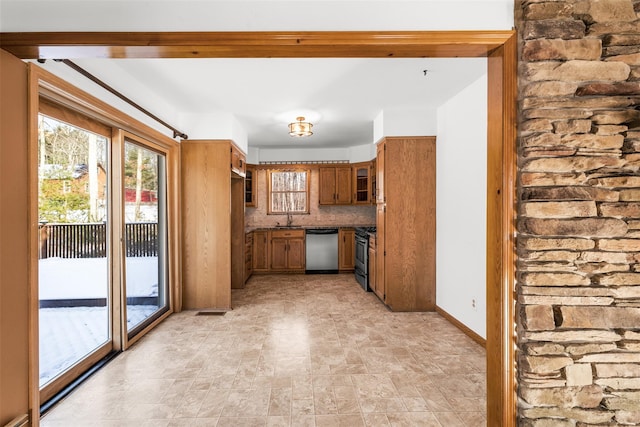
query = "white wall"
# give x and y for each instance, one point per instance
(110, 71)
(272, 15)
(461, 153)
(405, 122)
(357, 153)
(217, 125)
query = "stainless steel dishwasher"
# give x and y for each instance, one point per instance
(321, 250)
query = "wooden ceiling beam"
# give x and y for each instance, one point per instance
(440, 44)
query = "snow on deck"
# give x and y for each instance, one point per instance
(67, 334)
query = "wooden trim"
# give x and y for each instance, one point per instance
(54, 110)
(501, 217)
(464, 328)
(321, 44)
(498, 46)
(116, 225)
(34, 301)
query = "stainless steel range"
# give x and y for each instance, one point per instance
(362, 255)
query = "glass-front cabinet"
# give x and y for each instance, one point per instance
(361, 182)
(250, 187)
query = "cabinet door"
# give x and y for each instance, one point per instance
(343, 186)
(295, 254)
(238, 164)
(279, 253)
(346, 249)
(380, 252)
(361, 184)
(380, 157)
(372, 266)
(260, 251)
(327, 186)
(373, 178)
(250, 185)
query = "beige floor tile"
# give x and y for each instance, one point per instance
(339, 421)
(296, 350)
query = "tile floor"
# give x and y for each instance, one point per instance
(297, 350)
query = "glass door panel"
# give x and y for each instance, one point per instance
(146, 285)
(73, 264)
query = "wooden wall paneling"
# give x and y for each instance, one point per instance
(18, 339)
(206, 183)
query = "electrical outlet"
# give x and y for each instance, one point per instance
(473, 303)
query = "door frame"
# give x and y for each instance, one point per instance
(500, 49)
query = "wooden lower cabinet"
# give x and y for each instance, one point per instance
(346, 249)
(372, 266)
(260, 251)
(380, 254)
(287, 250)
(248, 255)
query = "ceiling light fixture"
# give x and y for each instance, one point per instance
(300, 128)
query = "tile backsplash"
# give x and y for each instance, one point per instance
(318, 216)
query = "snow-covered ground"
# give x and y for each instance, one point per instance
(67, 334)
(80, 278)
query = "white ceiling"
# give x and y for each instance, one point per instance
(347, 94)
(341, 96)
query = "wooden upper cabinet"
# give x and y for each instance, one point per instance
(335, 185)
(361, 181)
(238, 161)
(250, 186)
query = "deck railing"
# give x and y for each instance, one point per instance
(90, 240)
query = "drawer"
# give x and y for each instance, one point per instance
(287, 233)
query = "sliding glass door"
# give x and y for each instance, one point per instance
(102, 262)
(73, 263)
(145, 214)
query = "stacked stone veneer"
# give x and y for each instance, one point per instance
(578, 271)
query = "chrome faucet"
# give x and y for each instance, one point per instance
(289, 219)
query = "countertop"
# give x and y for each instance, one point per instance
(304, 227)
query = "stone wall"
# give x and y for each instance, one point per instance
(579, 212)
